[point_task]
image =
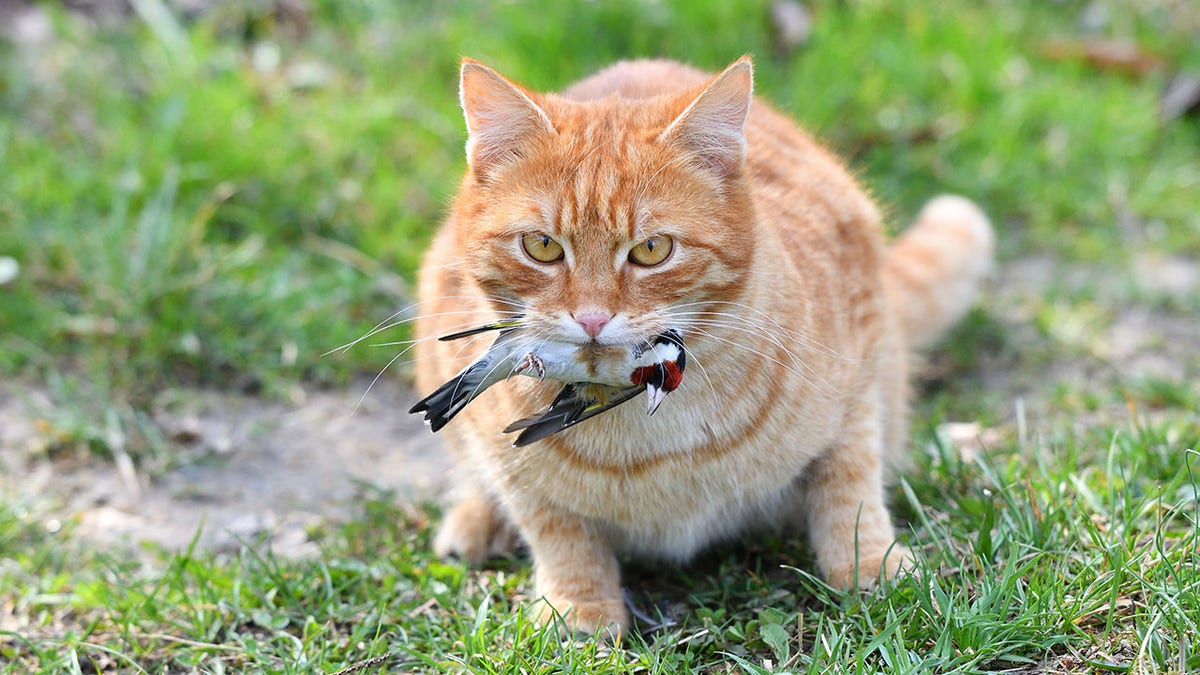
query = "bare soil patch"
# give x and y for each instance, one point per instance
(252, 468)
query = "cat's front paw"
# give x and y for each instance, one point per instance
(871, 568)
(606, 618)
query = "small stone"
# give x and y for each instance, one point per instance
(308, 75)
(1095, 18)
(266, 57)
(1180, 96)
(792, 23)
(10, 269)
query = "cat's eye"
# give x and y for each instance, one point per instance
(652, 251)
(542, 248)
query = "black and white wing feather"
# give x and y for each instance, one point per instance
(575, 403)
(448, 400)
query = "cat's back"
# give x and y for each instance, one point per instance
(644, 78)
(651, 78)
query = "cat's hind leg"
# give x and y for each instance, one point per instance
(475, 527)
(845, 512)
(474, 530)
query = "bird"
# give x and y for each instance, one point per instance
(657, 369)
(578, 401)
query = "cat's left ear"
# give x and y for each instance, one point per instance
(713, 127)
(502, 118)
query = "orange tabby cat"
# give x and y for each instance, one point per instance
(763, 253)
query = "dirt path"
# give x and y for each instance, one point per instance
(255, 468)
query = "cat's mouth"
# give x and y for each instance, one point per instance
(596, 356)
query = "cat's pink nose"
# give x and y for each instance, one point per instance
(593, 322)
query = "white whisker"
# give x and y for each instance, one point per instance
(766, 321)
(796, 360)
(376, 379)
(821, 385)
(389, 323)
(694, 358)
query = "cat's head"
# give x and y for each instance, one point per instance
(606, 221)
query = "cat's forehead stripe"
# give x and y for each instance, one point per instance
(598, 195)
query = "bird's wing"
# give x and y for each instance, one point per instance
(449, 399)
(575, 403)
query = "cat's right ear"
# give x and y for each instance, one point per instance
(713, 127)
(502, 118)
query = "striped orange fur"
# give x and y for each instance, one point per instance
(797, 315)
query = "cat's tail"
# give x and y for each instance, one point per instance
(934, 270)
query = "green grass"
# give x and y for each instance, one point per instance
(1038, 555)
(219, 200)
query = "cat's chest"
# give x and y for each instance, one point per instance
(692, 462)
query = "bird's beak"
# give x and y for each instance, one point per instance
(655, 396)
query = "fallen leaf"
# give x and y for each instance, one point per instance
(85, 325)
(970, 438)
(1118, 56)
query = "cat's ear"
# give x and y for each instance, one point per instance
(713, 127)
(501, 117)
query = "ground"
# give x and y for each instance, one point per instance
(248, 467)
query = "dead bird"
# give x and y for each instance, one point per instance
(657, 368)
(578, 401)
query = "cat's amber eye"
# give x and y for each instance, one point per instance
(652, 251)
(542, 248)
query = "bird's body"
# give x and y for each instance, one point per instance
(592, 385)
